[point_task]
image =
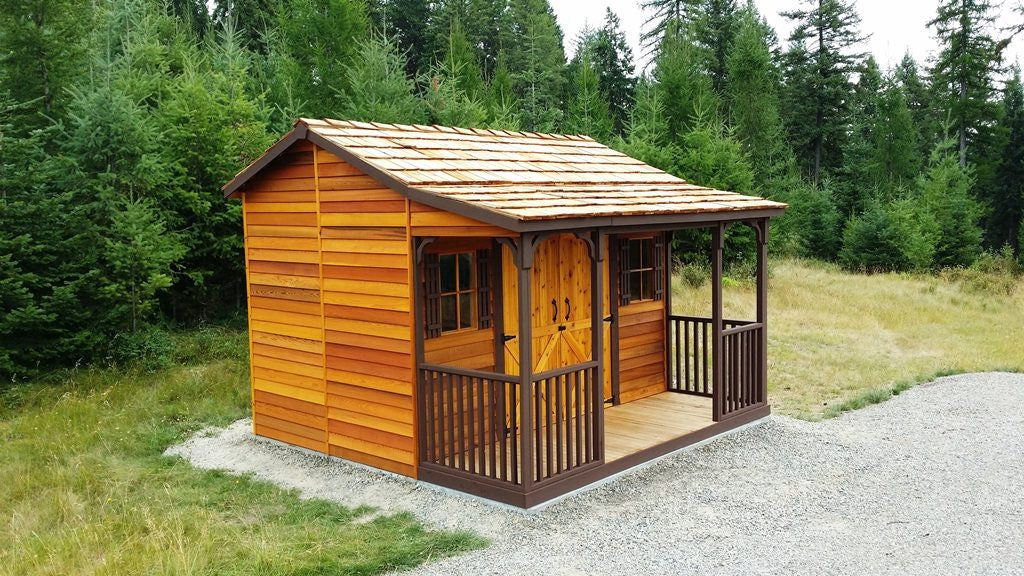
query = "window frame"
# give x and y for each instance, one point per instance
(634, 274)
(472, 291)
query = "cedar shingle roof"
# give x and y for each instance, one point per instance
(517, 176)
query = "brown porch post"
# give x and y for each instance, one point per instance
(717, 246)
(762, 308)
(524, 263)
(597, 334)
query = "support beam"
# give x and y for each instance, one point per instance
(524, 264)
(762, 307)
(597, 333)
(498, 311)
(717, 379)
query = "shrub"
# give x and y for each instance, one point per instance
(871, 243)
(695, 274)
(993, 273)
(813, 221)
(150, 347)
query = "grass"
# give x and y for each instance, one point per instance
(839, 341)
(84, 488)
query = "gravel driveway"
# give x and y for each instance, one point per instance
(930, 482)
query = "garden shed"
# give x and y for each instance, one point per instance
(487, 310)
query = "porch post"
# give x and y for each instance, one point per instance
(524, 263)
(597, 334)
(762, 308)
(717, 246)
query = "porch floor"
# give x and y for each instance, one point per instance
(635, 426)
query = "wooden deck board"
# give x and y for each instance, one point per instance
(641, 424)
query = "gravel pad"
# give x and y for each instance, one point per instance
(929, 482)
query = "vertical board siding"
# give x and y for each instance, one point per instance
(367, 318)
(286, 338)
(641, 350)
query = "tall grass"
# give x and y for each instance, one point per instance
(84, 488)
(838, 341)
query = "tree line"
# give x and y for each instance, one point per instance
(120, 120)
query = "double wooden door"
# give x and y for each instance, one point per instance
(560, 297)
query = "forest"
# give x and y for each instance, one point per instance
(121, 119)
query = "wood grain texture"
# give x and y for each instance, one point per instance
(641, 350)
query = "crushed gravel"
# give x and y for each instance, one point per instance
(930, 482)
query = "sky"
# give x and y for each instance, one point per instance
(896, 26)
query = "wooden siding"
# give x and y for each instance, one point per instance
(328, 255)
(285, 322)
(641, 350)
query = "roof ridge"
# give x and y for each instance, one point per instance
(445, 129)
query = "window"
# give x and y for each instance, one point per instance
(457, 291)
(641, 269)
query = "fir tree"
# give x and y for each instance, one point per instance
(819, 63)
(454, 89)
(944, 191)
(588, 108)
(252, 19)
(965, 68)
(918, 101)
(378, 89)
(753, 102)
(665, 17)
(612, 59)
(502, 106)
(684, 88)
(536, 62)
(1008, 204)
(714, 31)
(897, 153)
(42, 53)
(406, 22)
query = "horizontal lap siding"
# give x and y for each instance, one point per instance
(282, 259)
(367, 318)
(641, 350)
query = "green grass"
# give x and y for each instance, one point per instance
(84, 488)
(839, 341)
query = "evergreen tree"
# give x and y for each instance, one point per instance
(536, 62)
(502, 106)
(612, 59)
(1008, 202)
(194, 14)
(944, 191)
(454, 89)
(647, 137)
(684, 89)
(897, 155)
(378, 89)
(872, 243)
(753, 102)
(588, 108)
(714, 31)
(965, 69)
(42, 53)
(855, 182)
(316, 41)
(918, 101)
(818, 65)
(812, 222)
(665, 17)
(252, 19)
(460, 56)
(407, 23)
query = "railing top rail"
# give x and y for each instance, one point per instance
(563, 370)
(702, 319)
(508, 378)
(742, 328)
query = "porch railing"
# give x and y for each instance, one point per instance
(691, 369)
(471, 425)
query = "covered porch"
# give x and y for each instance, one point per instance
(525, 432)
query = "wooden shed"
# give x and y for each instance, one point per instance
(399, 275)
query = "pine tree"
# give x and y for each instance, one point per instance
(502, 106)
(588, 108)
(454, 89)
(407, 23)
(665, 17)
(965, 69)
(647, 136)
(1008, 205)
(855, 182)
(194, 14)
(378, 89)
(752, 82)
(684, 88)
(42, 53)
(818, 66)
(944, 191)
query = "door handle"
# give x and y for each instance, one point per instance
(508, 337)
(568, 311)
(554, 308)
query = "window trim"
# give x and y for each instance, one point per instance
(640, 272)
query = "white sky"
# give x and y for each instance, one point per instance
(896, 26)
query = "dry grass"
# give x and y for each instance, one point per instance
(838, 341)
